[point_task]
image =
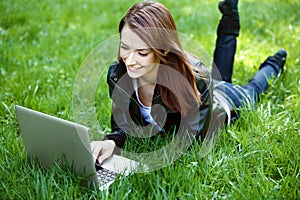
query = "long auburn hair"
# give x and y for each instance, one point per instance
(155, 25)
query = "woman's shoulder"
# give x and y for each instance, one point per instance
(194, 61)
(202, 74)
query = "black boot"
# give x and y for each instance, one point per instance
(230, 21)
(228, 7)
(277, 61)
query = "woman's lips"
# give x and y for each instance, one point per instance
(135, 68)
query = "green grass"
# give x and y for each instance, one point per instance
(44, 43)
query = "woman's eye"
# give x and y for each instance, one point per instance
(123, 47)
(143, 54)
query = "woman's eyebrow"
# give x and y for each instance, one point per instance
(123, 43)
(144, 49)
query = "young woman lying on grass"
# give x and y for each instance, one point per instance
(156, 84)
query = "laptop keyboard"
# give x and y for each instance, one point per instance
(105, 177)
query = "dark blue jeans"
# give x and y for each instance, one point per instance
(239, 96)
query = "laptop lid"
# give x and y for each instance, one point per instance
(52, 139)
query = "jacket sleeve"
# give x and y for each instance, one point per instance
(117, 133)
(198, 119)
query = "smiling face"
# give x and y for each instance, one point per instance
(140, 60)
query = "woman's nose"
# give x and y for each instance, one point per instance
(130, 60)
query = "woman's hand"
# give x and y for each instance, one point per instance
(102, 150)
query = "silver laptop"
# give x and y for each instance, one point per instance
(52, 140)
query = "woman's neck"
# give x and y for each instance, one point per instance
(145, 91)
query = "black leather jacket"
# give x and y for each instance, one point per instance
(126, 112)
